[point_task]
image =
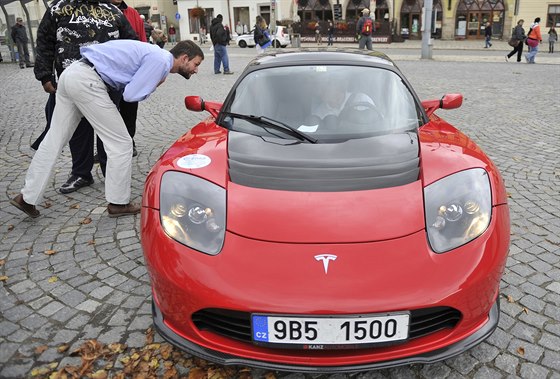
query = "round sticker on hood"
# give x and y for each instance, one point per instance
(194, 161)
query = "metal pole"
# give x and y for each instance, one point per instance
(427, 33)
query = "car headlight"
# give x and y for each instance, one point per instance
(193, 211)
(458, 209)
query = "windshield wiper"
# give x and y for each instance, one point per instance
(269, 122)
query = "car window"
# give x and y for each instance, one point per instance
(326, 101)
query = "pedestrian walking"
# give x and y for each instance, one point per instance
(59, 37)
(534, 38)
(552, 38)
(129, 68)
(488, 36)
(261, 35)
(202, 35)
(330, 34)
(128, 111)
(159, 37)
(19, 36)
(364, 29)
(219, 38)
(172, 34)
(519, 36)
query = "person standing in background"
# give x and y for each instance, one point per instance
(364, 29)
(19, 36)
(219, 38)
(148, 28)
(261, 35)
(552, 38)
(330, 34)
(172, 34)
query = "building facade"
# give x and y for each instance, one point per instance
(395, 19)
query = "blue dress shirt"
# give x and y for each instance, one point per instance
(133, 66)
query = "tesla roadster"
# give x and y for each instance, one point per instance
(324, 219)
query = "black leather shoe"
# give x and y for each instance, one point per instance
(117, 210)
(228, 73)
(74, 183)
(27, 208)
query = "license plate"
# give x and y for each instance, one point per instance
(324, 332)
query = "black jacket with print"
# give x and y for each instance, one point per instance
(70, 24)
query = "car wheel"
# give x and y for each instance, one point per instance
(277, 43)
(242, 44)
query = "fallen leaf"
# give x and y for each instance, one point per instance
(53, 279)
(3, 278)
(525, 310)
(10, 227)
(149, 336)
(197, 373)
(510, 299)
(270, 375)
(86, 221)
(521, 351)
(99, 374)
(41, 349)
(50, 252)
(2, 261)
(153, 346)
(91, 242)
(47, 204)
(40, 371)
(53, 365)
(117, 348)
(62, 348)
(170, 373)
(75, 206)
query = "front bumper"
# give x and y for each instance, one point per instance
(225, 359)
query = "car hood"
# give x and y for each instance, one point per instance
(353, 191)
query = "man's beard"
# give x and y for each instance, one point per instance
(184, 73)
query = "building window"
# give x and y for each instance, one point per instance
(553, 17)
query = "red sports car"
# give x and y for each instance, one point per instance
(323, 219)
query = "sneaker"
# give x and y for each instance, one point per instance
(526, 58)
(74, 183)
(219, 72)
(228, 73)
(117, 210)
(26, 208)
(507, 58)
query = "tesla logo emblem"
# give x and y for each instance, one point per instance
(325, 258)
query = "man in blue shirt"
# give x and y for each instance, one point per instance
(87, 89)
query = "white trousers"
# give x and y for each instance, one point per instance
(82, 93)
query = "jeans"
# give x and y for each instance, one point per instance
(532, 53)
(23, 53)
(220, 57)
(487, 42)
(365, 41)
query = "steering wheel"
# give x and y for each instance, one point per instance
(362, 115)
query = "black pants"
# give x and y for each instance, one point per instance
(129, 112)
(518, 49)
(81, 143)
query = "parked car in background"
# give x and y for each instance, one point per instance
(280, 39)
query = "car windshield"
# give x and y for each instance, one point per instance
(326, 102)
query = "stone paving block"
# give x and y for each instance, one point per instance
(16, 371)
(51, 308)
(507, 362)
(33, 322)
(531, 370)
(17, 313)
(88, 306)
(525, 350)
(64, 314)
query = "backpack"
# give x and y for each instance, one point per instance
(367, 27)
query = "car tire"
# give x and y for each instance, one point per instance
(277, 43)
(242, 44)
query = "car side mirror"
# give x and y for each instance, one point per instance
(448, 101)
(196, 104)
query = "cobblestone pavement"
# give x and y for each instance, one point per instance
(96, 287)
